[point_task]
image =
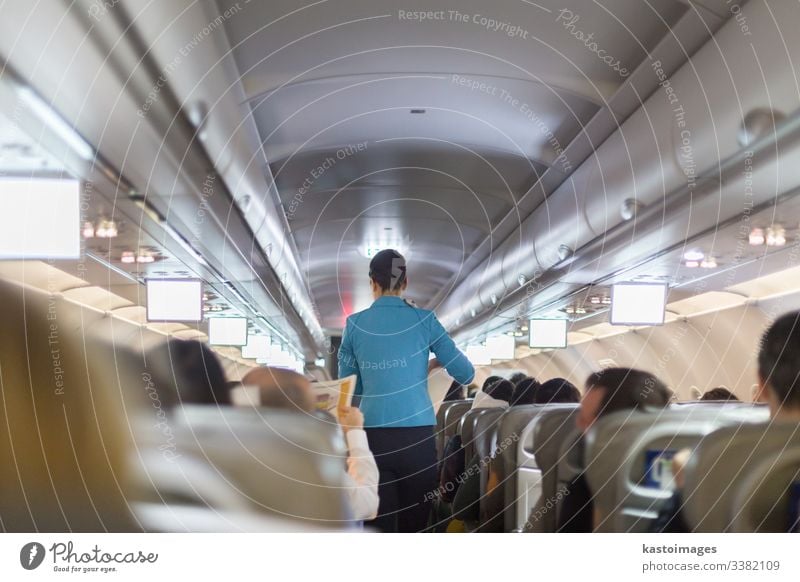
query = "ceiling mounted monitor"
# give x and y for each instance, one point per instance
(257, 347)
(478, 355)
(40, 218)
(227, 331)
(501, 347)
(174, 300)
(547, 333)
(638, 303)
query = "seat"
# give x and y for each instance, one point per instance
(721, 463)
(768, 499)
(483, 444)
(467, 430)
(543, 451)
(447, 419)
(277, 461)
(628, 457)
(519, 485)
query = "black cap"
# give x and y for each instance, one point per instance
(388, 269)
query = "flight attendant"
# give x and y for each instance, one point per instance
(387, 347)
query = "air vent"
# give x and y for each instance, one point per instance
(417, 111)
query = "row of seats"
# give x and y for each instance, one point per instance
(739, 477)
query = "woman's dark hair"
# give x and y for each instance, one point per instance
(779, 359)
(525, 391)
(517, 377)
(626, 388)
(388, 270)
(557, 390)
(488, 383)
(502, 390)
(719, 393)
(187, 371)
(455, 392)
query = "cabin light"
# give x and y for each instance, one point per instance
(580, 310)
(494, 299)
(518, 334)
(776, 236)
(510, 333)
(709, 263)
(128, 257)
(521, 280)
(606, 301)
(756, 237)
(594, 300)
(694, 255)
(106, 229)
(472, 312)
(88, 230)
(524, 328)
(145, 258)
(569, 310)
(692, 264)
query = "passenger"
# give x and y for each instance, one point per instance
(285, 389)
(187, 372)
(778, 385)
(525, 391)
(557, 391)
(455, 392)
(496, 395)
(517, 377)
(719, 393)
(281, 388)
(609, 390)
(63, 443)
(779, 368)
(387, 348)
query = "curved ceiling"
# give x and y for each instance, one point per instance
(382, 129)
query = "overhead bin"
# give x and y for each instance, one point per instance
(670, 157)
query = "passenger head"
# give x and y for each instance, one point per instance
(502, 390)
(281, 388)
(63, 443)
(188, 372)
(517, 377)
(614, 389)
(557, 391)
(454, 392)
(488, 383)
(525, 391)
(779, 367)
(719, 393)
(387, 273)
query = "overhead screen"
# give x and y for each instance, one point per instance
(638, 304)
(547, 333)
(227, 331)
(174, 300)
(501, 347)
(478, 355)
(39, 218)
(257, 347)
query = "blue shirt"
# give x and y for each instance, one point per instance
(387, 347)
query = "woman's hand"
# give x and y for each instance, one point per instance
(350, 418)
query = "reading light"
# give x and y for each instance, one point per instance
(128, 257)
(709, 263)
(88, 230)
(756, 237)
(776, 236)
(694, 255)
(692, 264)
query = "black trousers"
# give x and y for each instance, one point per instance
(406, 459)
